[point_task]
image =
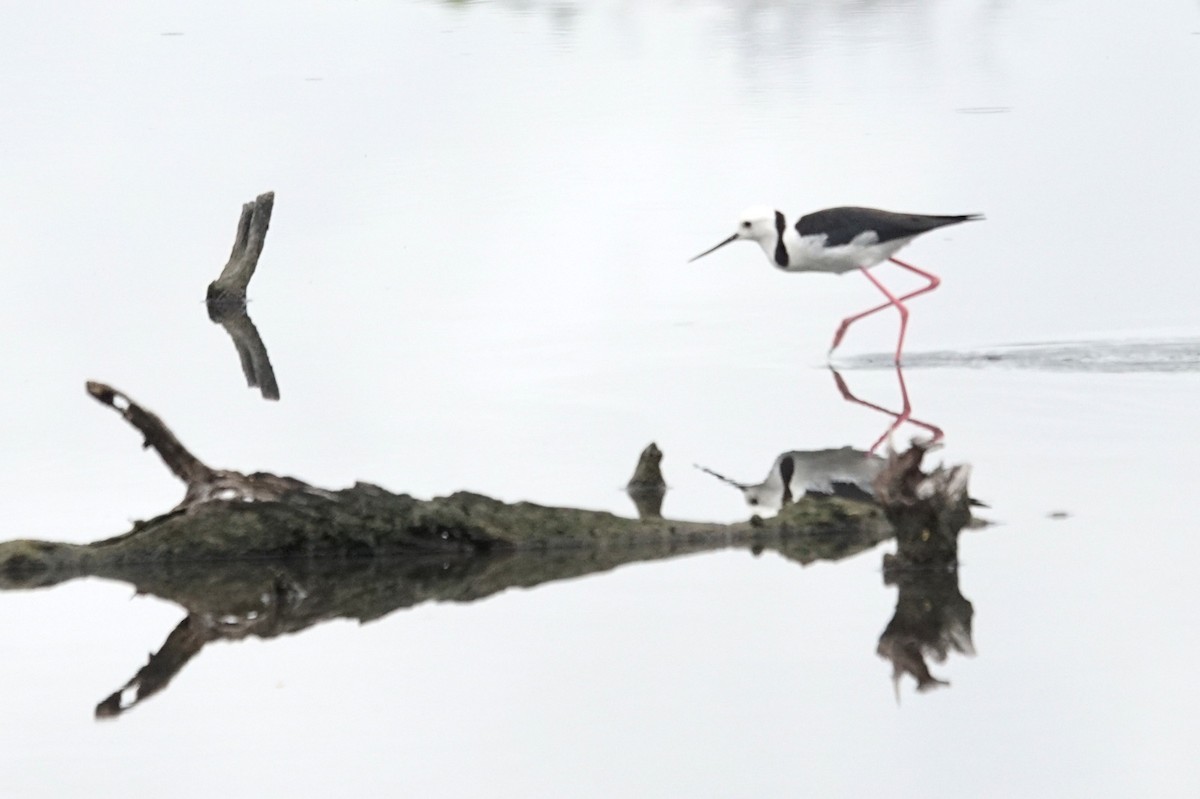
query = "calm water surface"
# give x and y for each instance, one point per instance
(475, 278)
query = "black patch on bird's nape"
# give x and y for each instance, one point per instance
(787, 468)
(781, 253)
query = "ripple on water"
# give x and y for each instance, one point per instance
(1127, 355)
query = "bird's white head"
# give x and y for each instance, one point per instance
(764, 495)
(756, 224)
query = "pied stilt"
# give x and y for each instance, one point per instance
(840, 240)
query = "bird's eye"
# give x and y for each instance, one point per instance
(746, 224)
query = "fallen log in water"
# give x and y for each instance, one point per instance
(228, 515)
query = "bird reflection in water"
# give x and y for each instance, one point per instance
(844, 472)
(898, 417)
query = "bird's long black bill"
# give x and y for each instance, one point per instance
(721, 477)
(714, 249)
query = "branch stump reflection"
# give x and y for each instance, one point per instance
(927, 511)
(932, 619)
(252, 352)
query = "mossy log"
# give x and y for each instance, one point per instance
(228, 515)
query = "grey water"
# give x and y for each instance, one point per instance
(475, 279)
(1161, 354)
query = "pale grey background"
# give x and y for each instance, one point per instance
(475, 279)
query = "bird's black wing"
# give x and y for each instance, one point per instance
(844, 490)
(843, 225)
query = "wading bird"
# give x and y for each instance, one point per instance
(840, 240)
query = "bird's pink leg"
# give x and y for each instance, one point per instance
(905, 414)
(899, 307)
(934, 282)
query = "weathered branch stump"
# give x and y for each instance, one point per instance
(927, 510)
(647, 487)
(230, 286)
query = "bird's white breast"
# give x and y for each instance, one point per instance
(809, 253)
